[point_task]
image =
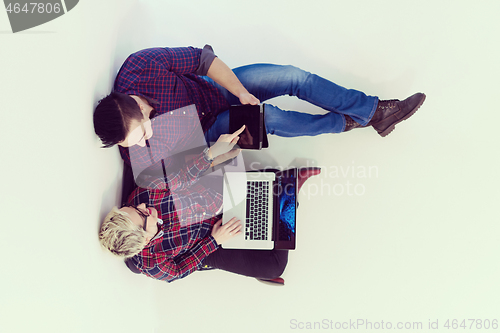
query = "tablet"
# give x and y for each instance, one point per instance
(252, 116)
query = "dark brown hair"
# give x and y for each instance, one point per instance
(113, 115)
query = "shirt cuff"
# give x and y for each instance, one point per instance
(204, 159)
(206, 58)
(212, 244)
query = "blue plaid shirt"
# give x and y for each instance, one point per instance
(172, 77)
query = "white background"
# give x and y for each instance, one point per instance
(421, 243)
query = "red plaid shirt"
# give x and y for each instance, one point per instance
(186, 238)
(171, 76)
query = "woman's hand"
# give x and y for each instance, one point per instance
(222, 233)
(225, 157)
(225, 143)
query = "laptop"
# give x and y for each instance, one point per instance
(266, 205)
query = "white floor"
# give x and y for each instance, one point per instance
(400, 229)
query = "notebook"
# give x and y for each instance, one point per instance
(266, 204)
(252, 116)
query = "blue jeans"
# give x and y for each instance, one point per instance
(266, 81)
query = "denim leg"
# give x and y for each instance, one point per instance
(293, 123)
(284, 123)
(266, 81)
(220, 126)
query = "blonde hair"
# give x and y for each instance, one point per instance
(120, 235)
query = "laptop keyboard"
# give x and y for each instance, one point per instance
(257, 210)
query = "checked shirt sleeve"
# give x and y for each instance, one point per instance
(190, 174)
(184, 60)
(206, 59)
(181, 179)
(171, 269)
(180, 60)
(143, 68)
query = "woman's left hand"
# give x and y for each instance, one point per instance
(222, 233)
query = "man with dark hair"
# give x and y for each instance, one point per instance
(115, 113)
(159, 80)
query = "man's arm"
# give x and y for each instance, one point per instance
(223, 75)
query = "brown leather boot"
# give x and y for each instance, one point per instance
(350, 124)
(391, 112)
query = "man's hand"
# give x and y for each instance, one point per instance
(247, 98)
(224, 76)
(222, 233)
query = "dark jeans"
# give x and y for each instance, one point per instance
(263, 264)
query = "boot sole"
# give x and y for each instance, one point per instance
(270, 283)
(273, 282)
(411, 113)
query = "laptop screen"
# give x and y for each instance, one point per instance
(287, 202)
